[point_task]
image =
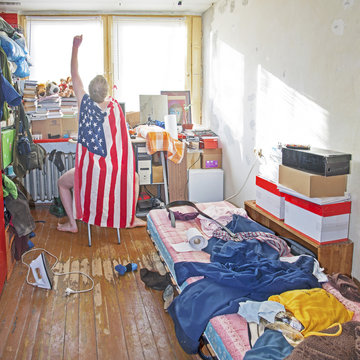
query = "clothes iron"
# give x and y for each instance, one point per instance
(43, 275)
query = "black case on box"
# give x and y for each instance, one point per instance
(317, 161)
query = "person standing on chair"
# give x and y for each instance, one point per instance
(104, 182)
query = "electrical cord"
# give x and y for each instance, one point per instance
(245, 181)
(68, 290)
(187, 181)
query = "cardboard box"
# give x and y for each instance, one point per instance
(46, 127)
(69, 126)
(312, 185)
(209, 142)
(269, 198)
(7, 143)
(211, 159)
(193, 159)
(321, 223)
(133, 118)
(157, 174)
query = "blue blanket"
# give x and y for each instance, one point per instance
(225, 285)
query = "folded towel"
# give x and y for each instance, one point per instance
(158, 139)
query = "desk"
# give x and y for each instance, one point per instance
(334, 258)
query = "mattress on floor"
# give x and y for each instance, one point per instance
(227, 334)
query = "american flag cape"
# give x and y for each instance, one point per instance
(104, 186)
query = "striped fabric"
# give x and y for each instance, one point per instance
(104, 189)
(157, 139)
(274, 241)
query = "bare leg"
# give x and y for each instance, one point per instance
(66, 183)
(137, 221)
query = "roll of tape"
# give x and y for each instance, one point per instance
(196, 239)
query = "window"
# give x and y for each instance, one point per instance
(149, 56)
(50, 43)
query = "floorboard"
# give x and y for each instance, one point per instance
(120, 318)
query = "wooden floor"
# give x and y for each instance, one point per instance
(119, 319)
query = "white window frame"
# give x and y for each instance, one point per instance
(56, 58)
(128, 82)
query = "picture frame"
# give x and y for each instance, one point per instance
(179, 104)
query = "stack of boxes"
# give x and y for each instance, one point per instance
(205, 167)
(203, 150)
(311, 193)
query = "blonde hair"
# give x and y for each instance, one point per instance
(98, 89)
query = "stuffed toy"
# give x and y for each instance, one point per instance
(51, 88)
(40, 90)
(63, 87)
(66, 89)
(70, 91)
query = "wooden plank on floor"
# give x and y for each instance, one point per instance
(139, 336)
(109, 329)
(163, 326)
(36, 304)
(87, 324)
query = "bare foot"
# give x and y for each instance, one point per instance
(137, 222)
(67, 227)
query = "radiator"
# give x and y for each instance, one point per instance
(42, 184)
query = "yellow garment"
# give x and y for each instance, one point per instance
(316, 333)
(315, 308)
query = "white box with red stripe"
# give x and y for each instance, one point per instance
(321, 223)
(269, 198)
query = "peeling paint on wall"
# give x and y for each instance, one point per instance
(348, 4)
(337, 27)
(223, 6)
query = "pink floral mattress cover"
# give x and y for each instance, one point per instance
(232, 328)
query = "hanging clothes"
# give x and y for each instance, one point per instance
(7, 92)
(21, 217)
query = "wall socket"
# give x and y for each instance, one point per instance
(258, 153)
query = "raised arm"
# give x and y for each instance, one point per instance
(76, 79)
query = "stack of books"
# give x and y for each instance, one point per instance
(40, 114)
(69, 106)
(51, 104)
(29, 96)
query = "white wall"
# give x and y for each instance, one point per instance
(283, 71)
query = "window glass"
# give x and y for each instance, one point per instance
(50, 43)
(149, 56)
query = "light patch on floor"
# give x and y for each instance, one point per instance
(74, 278)
(96, 267)
(84, 267)
(97, 295)
(108, 270)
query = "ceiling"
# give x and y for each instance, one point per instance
(195, 7)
